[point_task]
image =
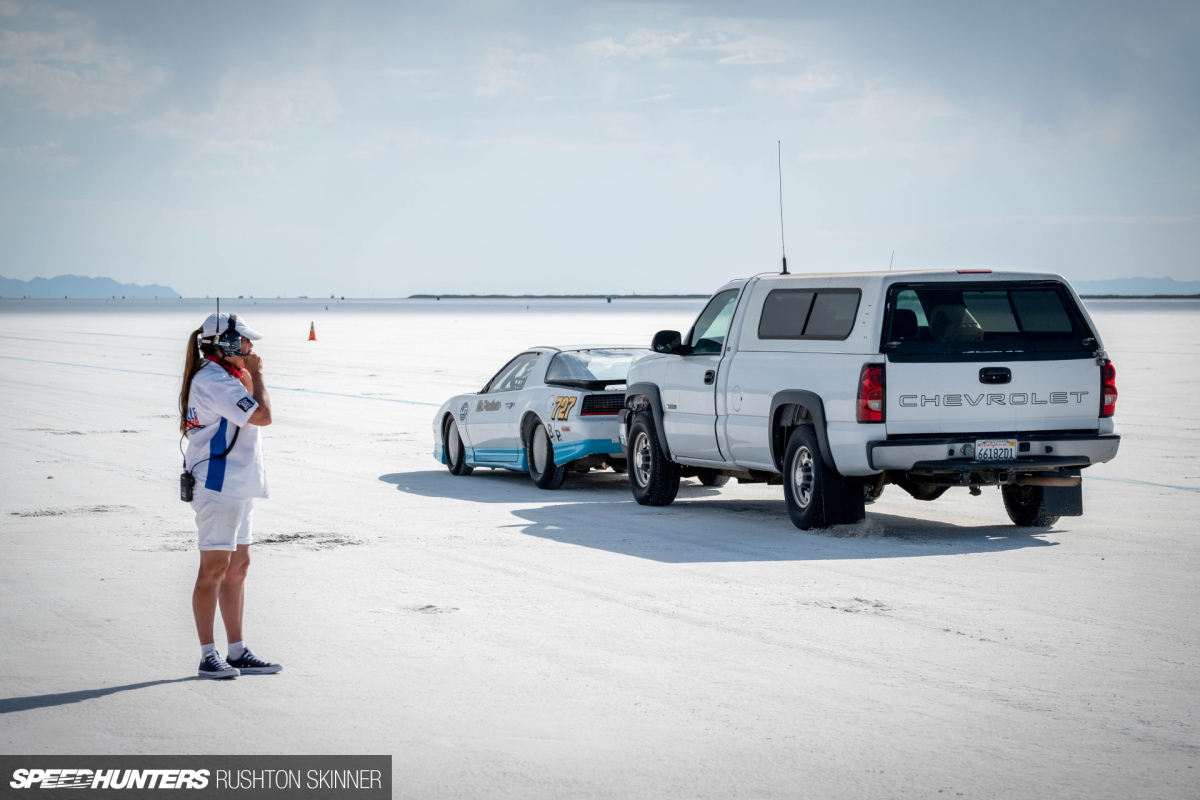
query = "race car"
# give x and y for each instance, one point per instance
(548, 410)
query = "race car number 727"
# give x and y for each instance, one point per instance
(562, 407)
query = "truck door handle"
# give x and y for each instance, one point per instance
(709, 377)
(995, 375)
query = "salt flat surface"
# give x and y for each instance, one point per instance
(503, 641)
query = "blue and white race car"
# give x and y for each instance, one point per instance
(548, 410)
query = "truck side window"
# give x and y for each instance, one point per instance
(708, 334)
(784, 313)
(832, 315)
(808, 314)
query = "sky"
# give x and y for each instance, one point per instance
(386, 149)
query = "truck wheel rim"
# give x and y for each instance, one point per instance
(802, 477)
(541, 444)
(452, 443)
(641, 459)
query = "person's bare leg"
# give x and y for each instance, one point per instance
(213, 566)
(233, 593)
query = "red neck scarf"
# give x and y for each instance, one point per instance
(225, 365)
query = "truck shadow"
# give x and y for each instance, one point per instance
(596, 511)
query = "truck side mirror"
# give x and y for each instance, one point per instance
(667, 342)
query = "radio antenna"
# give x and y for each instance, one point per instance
(890, 260)
(782, 243)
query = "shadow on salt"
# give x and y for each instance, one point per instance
(596, 511)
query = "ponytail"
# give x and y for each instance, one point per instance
(194, 361)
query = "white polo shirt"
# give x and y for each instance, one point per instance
(218, 403)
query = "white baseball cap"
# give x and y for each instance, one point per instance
(219, 323)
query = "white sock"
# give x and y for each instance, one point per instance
(205, 649)
(236, 649)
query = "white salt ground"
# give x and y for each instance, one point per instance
(503, 641)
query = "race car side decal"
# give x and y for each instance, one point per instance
(562, 407)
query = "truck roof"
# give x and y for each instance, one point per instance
(922, 274)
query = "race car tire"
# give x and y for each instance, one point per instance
(455, 451)
(710, 477)
(653, 478)
(803, 479)
(1026, 506)
(539, 452)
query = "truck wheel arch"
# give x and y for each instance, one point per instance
(647, 393)
(797, 407)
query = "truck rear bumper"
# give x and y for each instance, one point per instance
(1045, 451)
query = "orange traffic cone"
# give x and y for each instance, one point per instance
(312, 331)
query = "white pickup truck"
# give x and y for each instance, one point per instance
(838, 384)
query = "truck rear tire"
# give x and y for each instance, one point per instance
(653, 478)
(1026, 506)
(539, 453)
(455, 451)
(803, 479)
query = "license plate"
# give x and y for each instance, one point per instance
(995, 449)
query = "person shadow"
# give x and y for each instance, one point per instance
(596, 511)
(10, 704)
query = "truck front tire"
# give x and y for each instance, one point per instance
(653, 478)
(1026, 506)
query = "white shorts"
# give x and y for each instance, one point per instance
(223, 522)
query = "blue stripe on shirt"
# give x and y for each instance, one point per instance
(216, 466)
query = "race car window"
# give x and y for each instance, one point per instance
(514, 375)
(708, 335)
(588, 367)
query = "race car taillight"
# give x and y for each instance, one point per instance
(870, 393)
(1108, 389)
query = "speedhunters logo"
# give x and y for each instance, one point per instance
(109, 779)
(199, 776)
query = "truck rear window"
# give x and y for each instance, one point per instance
(979, 318)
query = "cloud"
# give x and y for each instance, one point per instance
(9, 8)
(48, 155)
(639, 44)
(755, 50)
(57, 63)
(812, 82)
(248, 116)
(654, 98)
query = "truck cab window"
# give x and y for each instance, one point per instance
(708, 334)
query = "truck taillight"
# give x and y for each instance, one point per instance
(1108, 389)
(870, 393)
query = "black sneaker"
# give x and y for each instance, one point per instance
(250, 664)
(213, 666)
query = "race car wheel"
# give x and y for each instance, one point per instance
(539, 452)
(803, 475)
(710, 477)
(653, 477)
(456, 453)
(1026, 506)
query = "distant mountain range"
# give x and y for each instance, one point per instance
(1137, 286)
(80, 286)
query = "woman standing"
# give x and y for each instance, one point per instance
(223, 404)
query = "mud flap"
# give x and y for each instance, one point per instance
(1064, 501)
(842, 499)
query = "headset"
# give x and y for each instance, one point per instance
(227, 343)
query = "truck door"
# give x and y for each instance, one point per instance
(690, 391)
